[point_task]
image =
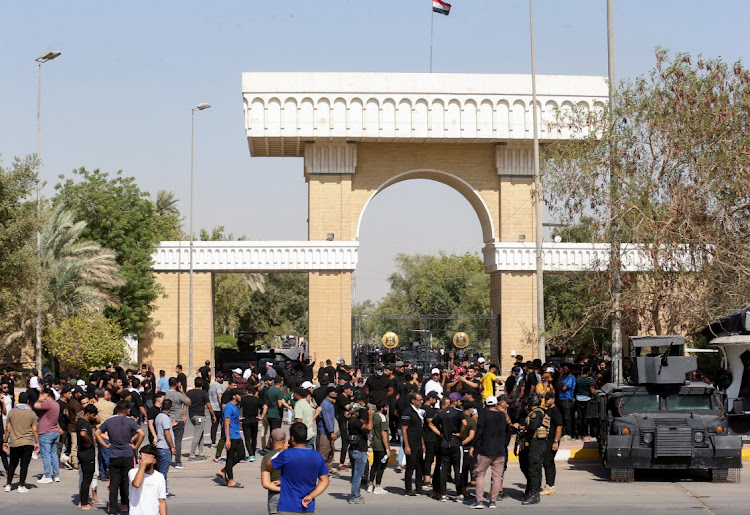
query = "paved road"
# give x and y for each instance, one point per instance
(581, 488)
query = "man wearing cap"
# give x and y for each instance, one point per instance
(489, 447)
(448, 424)
(276, 403)
(378, 386)
(434, 384)
(215, 392)
(327, 427)
(305, 413)
(49, 435)
(180, 403)
(253, 411)
(431, 441)
(72, 409)
(536, 430)
(240, 381)
(270, 371)
(233, 439)
(358, 427)
(20, 439)
(553, 443)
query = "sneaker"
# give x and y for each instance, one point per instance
(370, 489)
(548, 490)
(479, 505)
(492, 505)
(192, 458)
(443, 498)
(379, 490)
(22, 489)
(357, 500)
(398, 470)
(56, 479)
(251, 458)
(67, 465)
(411, 493)
(7, 488)
(179, 466)
(44, 480)
(34, 455)
(216, 460)
(170, 495)
(460, 498)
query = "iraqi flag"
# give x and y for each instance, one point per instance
(440, 7)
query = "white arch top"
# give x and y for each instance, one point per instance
(457, 183)
(283, 111)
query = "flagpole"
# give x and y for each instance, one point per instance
(432, 24)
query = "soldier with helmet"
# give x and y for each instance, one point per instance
(534, 440)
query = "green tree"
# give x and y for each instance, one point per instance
(120, 217)
(85, 341)
(169, 220)
(280, 309)
(18, 222)
(678, 151)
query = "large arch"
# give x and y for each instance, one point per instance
(449, 179)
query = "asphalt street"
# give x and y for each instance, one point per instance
(581, 488)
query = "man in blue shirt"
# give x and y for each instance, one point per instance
(304, 475)
(567, 399)
(327, 426)
(230, 429)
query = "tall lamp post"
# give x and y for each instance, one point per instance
(38, 322)
(199, 107)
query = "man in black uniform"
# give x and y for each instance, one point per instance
(412, 427)
(343, 401)
(430, 438)
(448, 423)
(535, 430)
(553, 443)
(378, 386)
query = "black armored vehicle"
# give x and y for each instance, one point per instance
(661, 420)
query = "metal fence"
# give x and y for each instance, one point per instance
(424, 340)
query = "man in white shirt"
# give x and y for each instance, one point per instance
(148, 488)
(434, 385)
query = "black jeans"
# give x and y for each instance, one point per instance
(118, 480)
(414, 466)
(235, 454)
(378, 467)
(88, 468)
(451, 457)
(251, 436)
(536, 459)
(567, 412)
(215, 424)
(21, 454)
(179, 432)
(343, 429)
(582, 423)
(429, 457)
(549, 464)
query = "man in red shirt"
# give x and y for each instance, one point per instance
(49, 435)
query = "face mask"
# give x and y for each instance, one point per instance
(378, 373)
(474, 411)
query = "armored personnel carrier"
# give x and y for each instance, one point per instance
(661, 420)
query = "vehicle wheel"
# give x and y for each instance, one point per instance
(622, 475)
(603, 448)
(725, 475)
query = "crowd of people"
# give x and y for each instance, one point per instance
(443, 430)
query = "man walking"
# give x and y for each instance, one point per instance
(214, 396)
(489, 449)
(178, 414)
(105, 409)
(360, 424)
(304, 475)
(164, 440)
(327, 427)
(125, 436)
(49, 435)
(253, 411)
(233, 439)
(305, 413)
(197, 411)
(21, 438)
(448, 423)
(380, 447)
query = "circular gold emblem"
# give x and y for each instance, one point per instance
(390, 339)
(461, 340)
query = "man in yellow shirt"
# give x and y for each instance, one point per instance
(489, 380)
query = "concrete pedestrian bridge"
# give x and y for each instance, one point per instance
(360, 133)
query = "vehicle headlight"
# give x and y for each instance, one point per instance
(699, 437)
(648, 437)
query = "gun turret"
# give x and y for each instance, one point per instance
(660, 360)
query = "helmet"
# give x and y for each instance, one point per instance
(535, 399)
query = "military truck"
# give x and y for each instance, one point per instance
(661, 420)
(248, 351)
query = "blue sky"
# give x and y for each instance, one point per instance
(120, 95)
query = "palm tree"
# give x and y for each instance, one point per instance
(166, 204)
(76, 275)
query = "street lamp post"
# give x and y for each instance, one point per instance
(199, 107)
(38, 322)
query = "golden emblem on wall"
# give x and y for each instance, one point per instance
(390, 339)
(461, 340)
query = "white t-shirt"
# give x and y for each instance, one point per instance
(34, 382)
(145, 500)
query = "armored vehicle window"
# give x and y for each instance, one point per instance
(688, 402)
(639, 403)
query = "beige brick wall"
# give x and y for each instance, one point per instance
(330, 315)
(513, 296)
(168, 343)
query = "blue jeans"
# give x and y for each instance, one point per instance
(165, 458)
(103, 459)
(48, 450)
(358, 459)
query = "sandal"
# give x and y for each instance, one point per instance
(236, 485)
(219, 476)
